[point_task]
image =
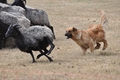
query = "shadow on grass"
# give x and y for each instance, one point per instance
(107, 53)
(54, 61)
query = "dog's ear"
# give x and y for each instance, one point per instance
(74, 29)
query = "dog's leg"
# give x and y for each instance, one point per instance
(105, 44)
(91, 46)
(97, 46)
(83, 49)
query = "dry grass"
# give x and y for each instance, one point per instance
(69, 63)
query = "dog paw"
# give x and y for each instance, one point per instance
(103, 48)
(97, 46)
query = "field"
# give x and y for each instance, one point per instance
(69, 63)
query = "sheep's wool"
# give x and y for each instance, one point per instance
(40, 32)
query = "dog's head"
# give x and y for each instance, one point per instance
(70, 32)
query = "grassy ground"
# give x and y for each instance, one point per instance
(69, 63)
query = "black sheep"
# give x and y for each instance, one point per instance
(3, 1)
(19, 3)
(36, 38)
(11, 15)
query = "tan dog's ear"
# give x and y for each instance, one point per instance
(74, 29)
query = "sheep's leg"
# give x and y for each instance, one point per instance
(39, 55)
(2, 37)
(52, 46)
(0, 43)
(4, 41)
(50, 59)
(32, 56)
(44, 53)
(52, 31)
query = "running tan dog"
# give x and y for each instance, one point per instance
(88, 38)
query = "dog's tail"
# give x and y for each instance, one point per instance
(104, 19)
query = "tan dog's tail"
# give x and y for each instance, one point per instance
(103, 18)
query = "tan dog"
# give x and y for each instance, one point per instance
(88, 38)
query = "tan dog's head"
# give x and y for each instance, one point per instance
(70, 32)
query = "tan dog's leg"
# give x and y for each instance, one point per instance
(91, 46)
(105, 44)
(83, 49)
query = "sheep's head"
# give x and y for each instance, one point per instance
(12, 30)
(20, 3)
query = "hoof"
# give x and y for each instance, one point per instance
(48, 53)
(38, 56)
(51, 60)
(34, 61)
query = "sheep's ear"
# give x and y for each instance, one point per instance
(74, 29)
(16, 26)
(25, 1)
(10, 25)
